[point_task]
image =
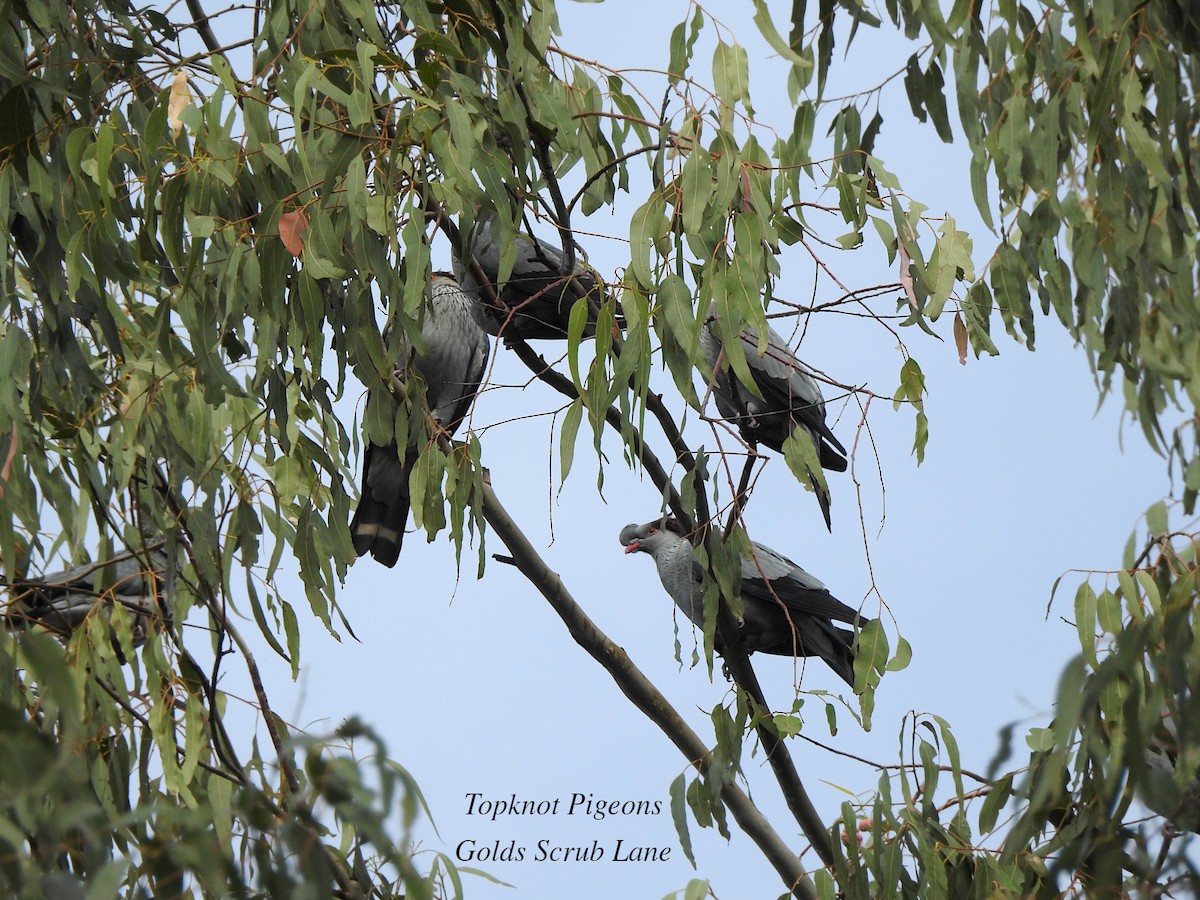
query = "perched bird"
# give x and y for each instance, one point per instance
(1159, 786)
(452, 366)
(791, 398)
(62, 601)
(773, 590)
(537, 297)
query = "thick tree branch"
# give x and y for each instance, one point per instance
(200, 20)
(782, 765)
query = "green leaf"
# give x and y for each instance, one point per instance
(979, 187)
(645, 229)
(762, 18)
(1149, 590)
(682, 47)
(997, 796)
(787, 726)
(1085, 621)
(1156, 519)
(872, 655)
(731, 77)
(1108, 612)
(678, 792)
(292, 630)
(800, 454)
(697, 186)
(220, 795)
(566, 438)
(949, 262)
(902, 657)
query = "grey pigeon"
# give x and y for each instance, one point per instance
(791, 398)
(456, 354)
(62, 601)
(786, 592)
(1159, 787)
(537, 297)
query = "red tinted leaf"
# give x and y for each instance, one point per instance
(292, 226)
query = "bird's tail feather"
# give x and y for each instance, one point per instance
(378, 524)
(823, 499)
(378, 528)
(841, 661)
(831, 459)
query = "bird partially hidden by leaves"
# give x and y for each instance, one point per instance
(536, 299)
(786, 611)
(62, 602)
(788, 399)
(1163, 788)
(452, 366)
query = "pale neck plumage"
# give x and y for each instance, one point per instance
(675, 568)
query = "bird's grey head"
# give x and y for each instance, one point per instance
(650, 536)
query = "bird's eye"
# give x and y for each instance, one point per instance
(651, 530)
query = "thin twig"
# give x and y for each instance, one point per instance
(237, 777)
(894, 767)
(200, 19)
(628, 431)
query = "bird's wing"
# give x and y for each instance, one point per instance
(382, 512)
(453, 367)
(536, 257)
(476, 367)
(785, 383)
(124, 575)
(80, 578)
(537, 295)
(796, 589)
(727, 392)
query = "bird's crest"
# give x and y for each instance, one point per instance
(670, 523)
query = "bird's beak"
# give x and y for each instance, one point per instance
(633, 546)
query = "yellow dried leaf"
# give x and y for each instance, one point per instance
(180, 99)
(906, 278)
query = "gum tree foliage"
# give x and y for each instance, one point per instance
(191, 279)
